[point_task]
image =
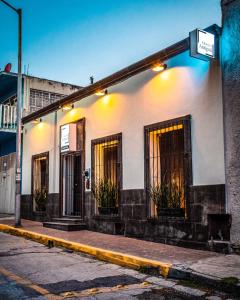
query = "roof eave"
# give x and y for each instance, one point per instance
(119, 76)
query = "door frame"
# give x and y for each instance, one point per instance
(82, 154)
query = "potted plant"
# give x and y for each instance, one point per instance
(40, 197)
(106, 195)
(167, 199)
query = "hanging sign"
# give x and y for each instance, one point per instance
(68, 138)
(202, 44)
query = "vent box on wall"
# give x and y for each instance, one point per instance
(68, 138)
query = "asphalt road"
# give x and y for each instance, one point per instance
(29, 270)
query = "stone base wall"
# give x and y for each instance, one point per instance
(206, 207)
(205, 203)
(52, 208)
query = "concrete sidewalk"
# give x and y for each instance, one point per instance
(183, 262)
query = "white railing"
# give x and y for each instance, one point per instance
(8, 117)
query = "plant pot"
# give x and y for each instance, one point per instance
(108, 210)
(174, 212)
(41, 208)
(39, 216)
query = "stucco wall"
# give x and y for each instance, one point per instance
(45, 85)
(231, 104)
(188, 86)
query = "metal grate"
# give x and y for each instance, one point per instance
(106, 159)
(40, 177)
(40, 99)
(165, 167)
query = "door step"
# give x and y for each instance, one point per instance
(68, 220)
(65, 226)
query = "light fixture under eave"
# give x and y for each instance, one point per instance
(67, 107)
(159, 67)
(36, 121)
(101, 92)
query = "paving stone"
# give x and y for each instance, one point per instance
(189, 291)
(115, 296)
(213, 298)
(135, 292)
(160, 281)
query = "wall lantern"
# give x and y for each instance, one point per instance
(67, 107)
(159, 67)
(36, 121)
(101, 92)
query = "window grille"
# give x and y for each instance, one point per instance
(40, 178)
(166, 166)
(40, 99)
(106, 173)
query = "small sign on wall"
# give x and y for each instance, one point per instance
(68, 138)
(202, 44)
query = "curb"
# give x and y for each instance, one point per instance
(118, 258)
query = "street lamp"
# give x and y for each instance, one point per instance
(19, 118)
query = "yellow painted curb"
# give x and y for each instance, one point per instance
(118, 258)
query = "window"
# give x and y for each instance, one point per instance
(40, 181)
(168, 166)
(106, 173)
(40, 99)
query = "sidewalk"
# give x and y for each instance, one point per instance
(182, 261)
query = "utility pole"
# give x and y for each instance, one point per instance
(19, 119)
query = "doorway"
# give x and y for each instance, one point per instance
(72, 184)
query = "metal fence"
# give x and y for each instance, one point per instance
(165, 169)
(8, 117)
(106, 158)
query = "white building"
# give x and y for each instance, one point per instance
(145, 158)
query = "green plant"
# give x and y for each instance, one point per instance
(160, 195)
(176, 196)
(106, 193)
(40, 197)
(166, 195)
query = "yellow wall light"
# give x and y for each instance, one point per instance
(159, 67)
(101, 92)
(67, 107)
(36, 121)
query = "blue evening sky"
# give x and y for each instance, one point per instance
(69, 40)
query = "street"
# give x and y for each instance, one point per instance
(29, 270)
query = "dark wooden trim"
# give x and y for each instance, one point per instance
(186, 121)
(83, 159)
(119, 76)
(117, 136)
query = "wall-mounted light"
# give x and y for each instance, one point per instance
(101, 92)
(159, 67)
(67, 107)
(36, 121)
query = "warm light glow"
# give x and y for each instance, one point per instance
(100, 93)
(159, 67)
(67, 107)
(165, 75)
(106, 99)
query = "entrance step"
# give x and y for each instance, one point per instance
(68, 220)
(65, 226)
(220, 246)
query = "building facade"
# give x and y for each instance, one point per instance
(139, 153)
(37, 93)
